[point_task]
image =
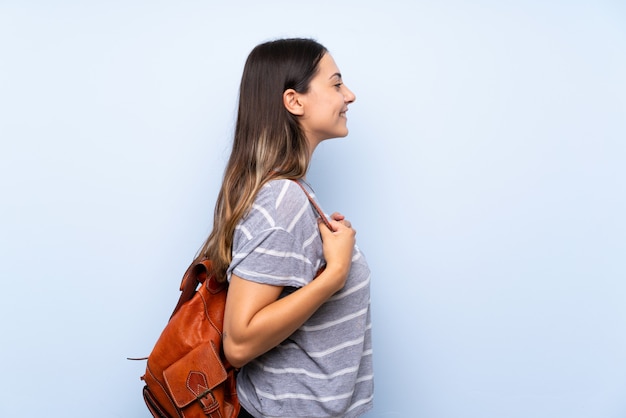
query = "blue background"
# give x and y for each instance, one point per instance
(485, 173)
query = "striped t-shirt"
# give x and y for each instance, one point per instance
(324, 369)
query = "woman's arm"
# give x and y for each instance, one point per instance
(255, 320)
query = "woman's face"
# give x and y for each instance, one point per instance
(325, 104)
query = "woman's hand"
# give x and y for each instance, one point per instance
(338, 246)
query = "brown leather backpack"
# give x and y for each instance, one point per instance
(187, 375)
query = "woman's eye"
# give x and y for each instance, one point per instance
(338, 85)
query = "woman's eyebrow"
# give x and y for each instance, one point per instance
(338, 75)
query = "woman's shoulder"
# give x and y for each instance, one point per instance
(279, 202)
(281, 192)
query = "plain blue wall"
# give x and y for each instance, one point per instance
(485, 173)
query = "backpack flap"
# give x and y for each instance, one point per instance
(191, 377)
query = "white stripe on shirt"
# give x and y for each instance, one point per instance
(335, 322)
(322, 376)
(330, 350)
(282, 254)
(265, 213)
(299, 280)
(245, 231)
(351, 290)
(310, 240)
(281, 195)
(296, 218)
(304, 396)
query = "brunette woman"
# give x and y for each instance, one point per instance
(297, 318)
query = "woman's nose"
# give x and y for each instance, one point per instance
(349, 96)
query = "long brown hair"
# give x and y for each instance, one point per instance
(268, 141)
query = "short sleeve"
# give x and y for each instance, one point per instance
(278, 242)
(273, 257)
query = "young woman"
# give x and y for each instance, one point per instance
(297, 319)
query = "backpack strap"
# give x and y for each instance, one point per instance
(316, 206)
(198, 272)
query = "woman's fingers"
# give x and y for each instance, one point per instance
(336, 216)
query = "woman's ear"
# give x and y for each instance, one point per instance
(291, 100)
